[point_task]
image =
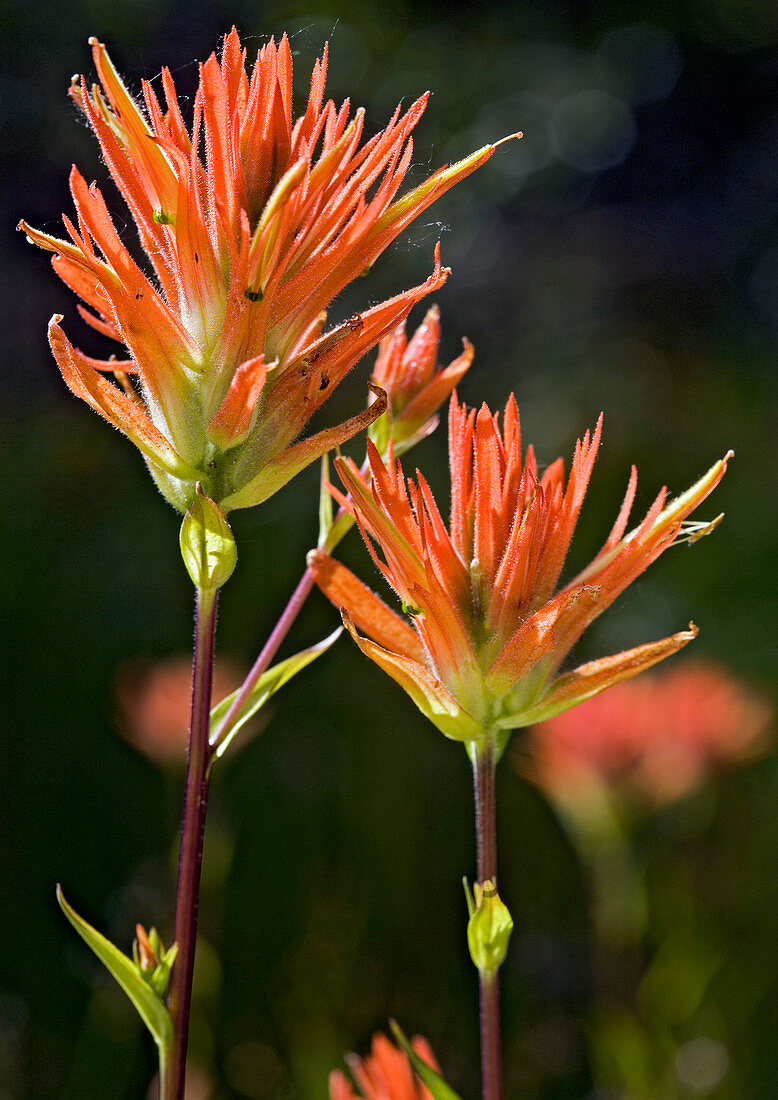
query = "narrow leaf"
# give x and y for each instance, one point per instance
(267, 685)
(426, 1074)
(150, 1007)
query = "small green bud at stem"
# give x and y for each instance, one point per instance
(489, 928)
(207, 544)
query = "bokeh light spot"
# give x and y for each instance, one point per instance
(592, 130)
(701, 1064)
(642, 60)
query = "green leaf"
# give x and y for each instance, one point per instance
(434, 1082)
(267, 685)
(150, 1007)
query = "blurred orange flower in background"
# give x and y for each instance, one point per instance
(660, 736)
(154, 701)
(253, 222)
(385, 1074)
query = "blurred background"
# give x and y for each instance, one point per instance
(622, 257)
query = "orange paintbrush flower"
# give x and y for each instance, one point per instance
(385, 1074)
(488, 628)
(252, 222)
(658, 737)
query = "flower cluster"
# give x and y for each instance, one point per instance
(488, 628)
(252, 222)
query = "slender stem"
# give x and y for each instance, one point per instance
(268, 652)
(275, 638)
(484, 763)
(485, 810)
(164, 1071)
(193, 828)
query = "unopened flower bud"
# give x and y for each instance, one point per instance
(143, 950)
(207, 544)
(489, 928)
(152, 960)
(415, 386)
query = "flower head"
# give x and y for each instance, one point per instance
(385, 1074)
(253, 222)
(406, 370)
(657, 737)
(489, 626)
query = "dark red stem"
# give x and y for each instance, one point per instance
(484, 764)
(193, 828)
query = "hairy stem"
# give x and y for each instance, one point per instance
(193, 828)
(484, 764)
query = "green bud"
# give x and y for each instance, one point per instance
(489, 928)
(207, 544)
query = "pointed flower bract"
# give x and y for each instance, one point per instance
(385, 1074)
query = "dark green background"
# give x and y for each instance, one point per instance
(636, 276)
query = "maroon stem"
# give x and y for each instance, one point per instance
(484, 764)
(195, 805)
(270, 648)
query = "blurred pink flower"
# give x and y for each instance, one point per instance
(385, 1074)
(661, 734)
(154, 701)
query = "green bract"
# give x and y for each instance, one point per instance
(267, 685)
(207, 544)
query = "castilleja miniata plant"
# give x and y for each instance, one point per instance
(486, 629)
(252, 222)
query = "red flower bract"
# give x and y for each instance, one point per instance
(489, 629)
(406, 370)
(253, 222)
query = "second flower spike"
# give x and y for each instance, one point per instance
(487, 626)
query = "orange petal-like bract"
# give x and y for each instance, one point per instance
(252, 222)
(385, 1074)
(482, 594)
